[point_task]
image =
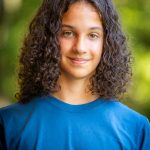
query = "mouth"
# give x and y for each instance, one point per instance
(78, 60)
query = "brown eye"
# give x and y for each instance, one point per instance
(93, 36)
(68, 34)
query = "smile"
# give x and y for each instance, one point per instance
(78, 60)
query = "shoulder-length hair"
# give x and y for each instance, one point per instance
(39, 65)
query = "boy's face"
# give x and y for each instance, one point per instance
(81, 41)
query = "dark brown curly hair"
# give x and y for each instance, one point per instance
(39, 65)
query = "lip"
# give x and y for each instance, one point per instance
(78, 60)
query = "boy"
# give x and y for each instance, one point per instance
(73, 65)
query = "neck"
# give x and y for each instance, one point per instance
(74, 91)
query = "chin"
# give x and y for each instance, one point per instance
(79, 75)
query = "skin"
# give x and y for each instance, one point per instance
(81, 44)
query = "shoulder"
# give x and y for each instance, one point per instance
(10, 109)
(128, 123)
(22, 110)
(16, 107)
(122, 114)
(123, 110)
(19, 110)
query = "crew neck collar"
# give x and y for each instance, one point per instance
(73, 107)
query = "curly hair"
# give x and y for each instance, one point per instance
(39, 65)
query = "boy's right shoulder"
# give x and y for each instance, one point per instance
(17, 108)
(10, 108)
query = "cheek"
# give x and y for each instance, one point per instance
(65, 46)
(97, 49)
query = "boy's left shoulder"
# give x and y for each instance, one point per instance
(124, 111)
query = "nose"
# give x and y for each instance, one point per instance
(80, 45)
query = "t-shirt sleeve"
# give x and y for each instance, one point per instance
(2, 136)
(145, 136)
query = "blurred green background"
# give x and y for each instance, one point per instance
(15, 16)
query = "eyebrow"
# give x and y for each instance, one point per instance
(72, 27)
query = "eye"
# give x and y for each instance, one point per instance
(67, 34)
(93, 36)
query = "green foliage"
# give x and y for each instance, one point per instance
(135, 20)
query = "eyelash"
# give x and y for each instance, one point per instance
(93, 36)
(70, 34)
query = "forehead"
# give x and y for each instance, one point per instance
(81, 10)
(82, 5)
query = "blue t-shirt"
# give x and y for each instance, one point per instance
(48, 123)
